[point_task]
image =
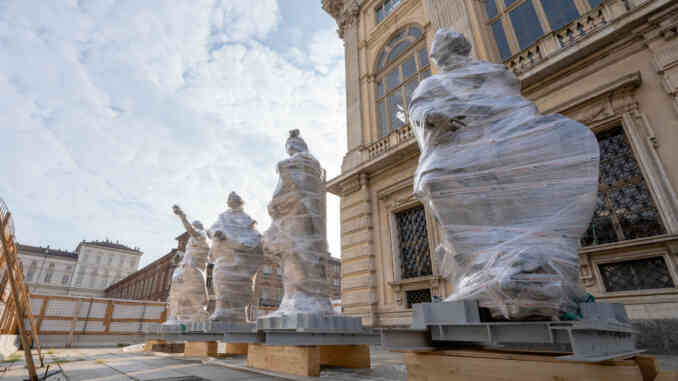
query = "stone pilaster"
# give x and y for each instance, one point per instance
(348, 30)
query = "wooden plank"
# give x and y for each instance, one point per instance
(667, 376)
(200, 348)
(345, 356)
(148, 345)
(10, 257)
(648, 366)
(43, 308)
(235, 349)
(107, 316)
(444, 366)
(300, 361)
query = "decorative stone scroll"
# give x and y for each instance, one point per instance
(513, 190)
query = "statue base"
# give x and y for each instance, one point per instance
(604, 332)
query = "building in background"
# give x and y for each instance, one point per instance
(102, 263)
(153, 281)
(334, 278)
(47, 271)
(87, 271)
(610, 64)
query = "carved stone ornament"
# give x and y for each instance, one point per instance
(513, 190)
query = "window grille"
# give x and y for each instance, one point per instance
(639, 274)
(418, 296)
(415, 259)
(625, 209)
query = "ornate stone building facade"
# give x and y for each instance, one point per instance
(102, 263)
(611, 64)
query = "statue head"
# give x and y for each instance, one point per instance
(235, 201)
(449, 48)
(198, 225)
(295, 143)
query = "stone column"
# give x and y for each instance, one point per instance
(348, 31)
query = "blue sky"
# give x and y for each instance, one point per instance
(111, 111)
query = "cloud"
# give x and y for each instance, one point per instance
(112, 111)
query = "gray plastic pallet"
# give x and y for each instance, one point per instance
(285, 330)
(604, 333)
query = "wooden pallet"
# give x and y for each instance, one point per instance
(481, 365)
(307, 360)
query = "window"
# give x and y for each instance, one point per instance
(67, 276)
(386, 8)
(278, 270)
(417, 296)
(110, 260)
(50, 272)
(267, 269)
(78, 281)
(31, 271)
(415, 259)
(625, 208)
(336, 282)
(639, 274)
(401, 64)
(516, 24)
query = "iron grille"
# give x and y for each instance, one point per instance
(638, 274)
(418, 296)
(415, 259)
(625, 209)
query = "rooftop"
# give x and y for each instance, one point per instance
(110, 245)
(46, 251)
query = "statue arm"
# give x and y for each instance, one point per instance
(182, 216)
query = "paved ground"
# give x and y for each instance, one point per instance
(116, 364)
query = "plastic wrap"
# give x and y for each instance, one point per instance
(237, 254)
(188, 294)
(297, 238)
(512, 190)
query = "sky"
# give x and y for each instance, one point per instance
(112, 111)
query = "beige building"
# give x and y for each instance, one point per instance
(102, 263)
(47, 271)
(611, 64)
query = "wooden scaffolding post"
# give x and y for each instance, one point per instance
(20, 299)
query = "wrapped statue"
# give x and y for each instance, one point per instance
(512, 190)
(237, 254)
(188, 294)
(297, 236)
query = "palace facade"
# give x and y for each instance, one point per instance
(610, 64)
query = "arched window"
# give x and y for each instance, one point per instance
(517, 24)
(401, 65)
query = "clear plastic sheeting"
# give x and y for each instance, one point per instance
(512, 190)
(188, 294)
(296, 238)
(237, 254)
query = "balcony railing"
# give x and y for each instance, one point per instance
(566, 36)
(389, 142)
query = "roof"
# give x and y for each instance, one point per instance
(109, 245)
(46, 251)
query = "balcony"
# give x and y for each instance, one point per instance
(581, 37)
(388, 142)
